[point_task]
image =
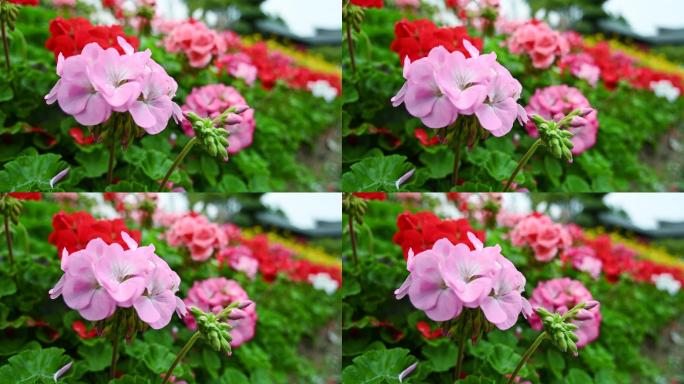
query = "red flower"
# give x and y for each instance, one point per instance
(79, 136)
(25, 2)
(416, 38)
(424, 328)
(368, 3)
(422, 136)
(73, 231)
(82, 331)
(69, 36)
(419, 231)
(371, 195)
(26, 195)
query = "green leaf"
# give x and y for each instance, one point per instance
(379, 366)
(578, 376)
(574, 183)
(210, 168)
(233, 376)
(97, 357)
(440, 164)
(7, 286)
(553, 169)
(212, 363)
(6, 92)
(34, 366)
(231, 184)
(376, 174)
(555, 362)
(503, 359)
(31, 173)
(441, 357)
(500, 165)
(94, 163)
(151, 162)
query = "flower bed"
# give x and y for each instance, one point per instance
(227, 109)
(76, 287)
(416, 105)
(516, 282)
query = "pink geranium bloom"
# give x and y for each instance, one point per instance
(428, 290)
(505, 302)
(462, 81)
(121, 273)
(467, 273)
(422, 94)
(79, 285)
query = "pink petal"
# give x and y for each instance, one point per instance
(424, 293)
(78, 292)
(488, 119)
(96, 111)
(101, 307)
(146, 309)
(448, 306)
(492, 310)
(142, 115)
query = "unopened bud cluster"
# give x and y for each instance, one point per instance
(215, 331)
(211, 132)
(353, 15)
(355, 207)
(10, 207)
(554, 135)
(124, 323)
(472, 322)
(9, 13)
(559, 327)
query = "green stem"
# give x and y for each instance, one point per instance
(115, 350)
(461, 352)
(352, 235)
(460, 135)
(350, 45)
(8, 236)
(112, 155)
(522, 163)
(5, 44)
(527, 355)
(180, 158)
(181, 355)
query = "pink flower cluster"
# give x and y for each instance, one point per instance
(238, 65)
(444, 85)
(212, 295)
(414, 4)
(102, 277)
(559, 295)
(198, 234)
(584, 259)
(99, 81)
(555, 102)
(545, 237)
(240, 258)
(582, 66)
(446, 278)
(212, 100)
(540, 42)
(199, 43)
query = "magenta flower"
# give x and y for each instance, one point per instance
(558, 295)
(505, 302)
(212, 295)
(428, 291)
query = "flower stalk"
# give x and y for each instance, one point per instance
(521, 164)
(5, 44)
(8, 17)
(530, 351)
(8, 236)
(110, 165)
(181, 355)
(355, 208)
(461, 353)
(176, 162)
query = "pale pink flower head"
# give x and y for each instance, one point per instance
(558, 295)
(428, 291)
(212, 100)
(583, 66)
(444, 279)
(422, 95)
(64, 3)
(103, 277)
(553, 103)
(238, 65)
(98, 82)
(214, 294)
(444, 85)
(408, 4)
(79, 285)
